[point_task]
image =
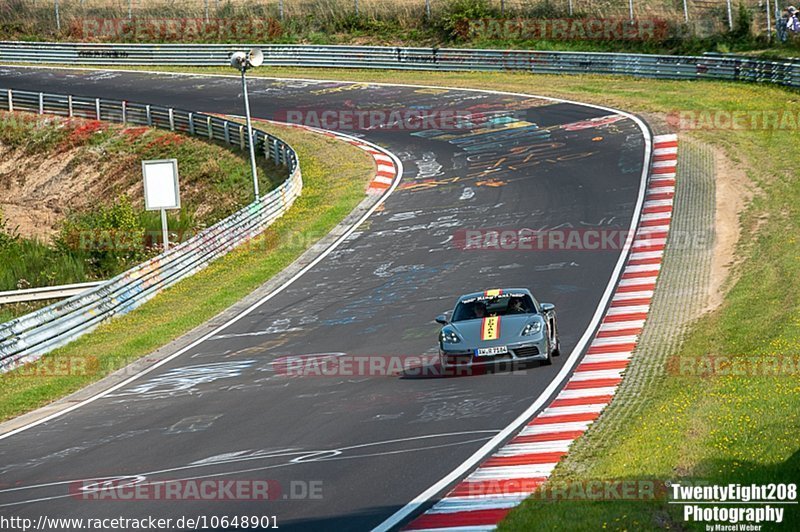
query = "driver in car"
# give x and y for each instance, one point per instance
(517, 306)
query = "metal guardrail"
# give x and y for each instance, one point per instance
(714, 67)
(32, 335)
(45, 292)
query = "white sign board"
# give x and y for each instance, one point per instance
(161, 184)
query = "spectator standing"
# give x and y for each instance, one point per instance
(793, 24)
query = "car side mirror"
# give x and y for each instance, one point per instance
(441, 318)
(548, 307)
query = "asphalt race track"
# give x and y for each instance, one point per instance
(368, 443)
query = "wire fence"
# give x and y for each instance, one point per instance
(699, 17)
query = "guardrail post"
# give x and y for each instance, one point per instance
(210, 129)
(241, 138)
(10, 101)
(227, 132)
(69, 106)
(191, 123)
(275, 155)
(124, 112)
(41, 103)
(149, 115)
(171, 119)
(769, 23)
(730, 15)
(97, 107)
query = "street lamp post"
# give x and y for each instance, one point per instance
(242, 61)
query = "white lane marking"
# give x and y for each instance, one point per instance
(551, 428)
(669, 163)
(649, 242)
(608, 357)
(611, 340)
(665, 151)
(576, 409)
(661, 190)
(615, 311)
(466, 504)
(627, 296)
(658, 203)
(654, 268)
(516, 449)
(580, 393)
(511, 472)
(597, 374)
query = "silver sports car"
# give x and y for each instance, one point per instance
(501, 325)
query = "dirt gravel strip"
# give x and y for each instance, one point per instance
(512, 473)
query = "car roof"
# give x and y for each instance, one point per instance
(501, 290)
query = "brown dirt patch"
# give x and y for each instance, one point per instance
(734, 190)
(36, 192)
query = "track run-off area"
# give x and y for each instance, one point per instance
(348, 450)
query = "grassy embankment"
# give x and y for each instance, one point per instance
(91, 224)
(335, 175)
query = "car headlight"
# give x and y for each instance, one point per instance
(448, 336)
(534, 327)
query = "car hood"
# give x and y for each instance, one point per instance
(476, 332)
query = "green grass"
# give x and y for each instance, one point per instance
(335, 175)
(719, 429)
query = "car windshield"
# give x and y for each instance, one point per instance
(479, 307)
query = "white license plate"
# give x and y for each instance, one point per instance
(491, 351)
